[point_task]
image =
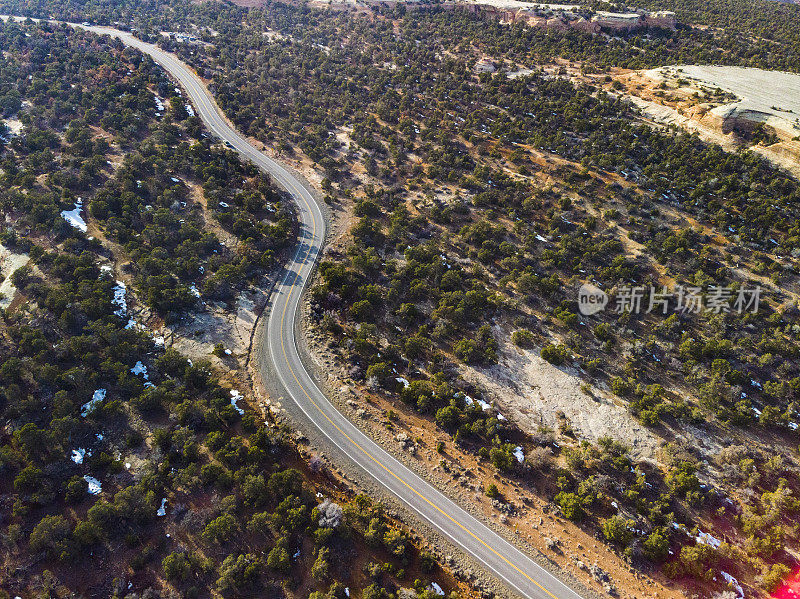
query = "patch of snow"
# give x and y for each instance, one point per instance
(296, 554)
(235, 397)
(540, 238)
(159, 103)
(519, 454)
(100, 436)
(347, 591)
(194, 290)
(162, 511)
(97, 397)
(484, 406)
(95, 488)
(140, 368)
(78, 455)
(733, 583)
(119, 299)
(500, 417)
(403, 380)
(708, 539)
(74, 218)
(437, 589)
(190, 109)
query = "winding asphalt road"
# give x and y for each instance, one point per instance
(278, 339)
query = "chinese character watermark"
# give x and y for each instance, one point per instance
(715, 299)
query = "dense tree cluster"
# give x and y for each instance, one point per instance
(117, 455)
(429, 281)
(147, 204)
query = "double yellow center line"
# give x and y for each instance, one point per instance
(354, 442)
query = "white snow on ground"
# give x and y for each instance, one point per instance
(159, 104)
(140, 368)
(235, 397)
(519, 454)
(119, 299)
(484, 406)
(194, 290)
(347, 591)
(74, 218)
(162, 511)
(190, 109)
(78, 455)
(708, 539)
(121, 302)
(437, 589)
(97, 397)
(734, 583)
(403, 380)
(95, 488)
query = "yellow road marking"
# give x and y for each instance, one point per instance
(214, 108)
(364, 451)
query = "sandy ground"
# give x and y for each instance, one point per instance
(531, 392)
(9, 263)
(525, 516)
(14, 126)
(202, 329)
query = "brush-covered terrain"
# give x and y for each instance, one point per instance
(475, 185)
(126, 469)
